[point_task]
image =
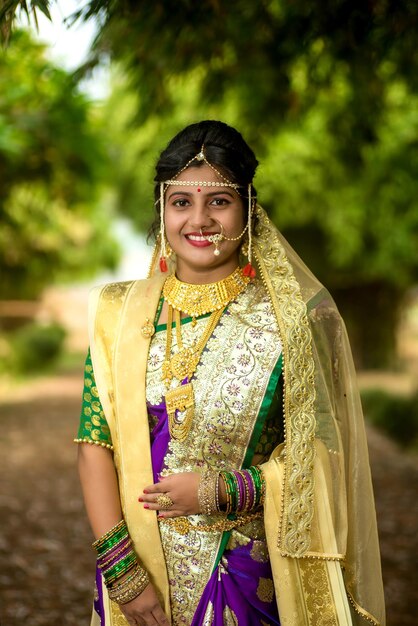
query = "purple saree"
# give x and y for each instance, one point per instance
(240, 590)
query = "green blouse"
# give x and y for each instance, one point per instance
(93, 426)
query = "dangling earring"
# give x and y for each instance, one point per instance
(163, 244)
(249, 270)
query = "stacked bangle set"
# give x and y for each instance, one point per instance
(124, 578)
(245, 490)
(116, 558)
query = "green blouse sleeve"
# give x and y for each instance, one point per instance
(93, 427)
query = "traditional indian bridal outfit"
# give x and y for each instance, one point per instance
(272, 381)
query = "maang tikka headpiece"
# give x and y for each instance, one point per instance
(216, 239)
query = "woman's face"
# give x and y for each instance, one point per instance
(192, 210)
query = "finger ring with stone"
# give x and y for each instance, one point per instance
(164, 501)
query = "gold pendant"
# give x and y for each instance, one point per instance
(180, 399)
(166, 371)
(148, 329)
(184, 363)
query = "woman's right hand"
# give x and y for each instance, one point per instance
(145, 609)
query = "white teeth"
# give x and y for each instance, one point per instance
(196, 237)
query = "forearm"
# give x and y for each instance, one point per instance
(100, 488)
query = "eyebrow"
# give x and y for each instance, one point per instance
(209, 195)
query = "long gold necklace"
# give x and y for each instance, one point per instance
(195, 300)
(183, 365)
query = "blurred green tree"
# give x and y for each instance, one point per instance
(357, 230)
(52, 164)
(326, 94)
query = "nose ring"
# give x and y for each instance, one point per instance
(216, 239)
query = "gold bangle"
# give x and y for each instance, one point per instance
(207, 492)
(128, 590)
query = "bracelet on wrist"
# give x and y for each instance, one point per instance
(119, 565)
(208, 492)
(245, 489)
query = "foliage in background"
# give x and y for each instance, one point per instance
(31, 349)
(53, 161)
(8, 9)
(358, 232)
(362, 223)
(327, 95)
(397, 416)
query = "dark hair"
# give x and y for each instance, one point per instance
(225, 149)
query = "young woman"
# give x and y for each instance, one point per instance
(229, 483)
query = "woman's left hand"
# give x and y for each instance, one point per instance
(180, 489)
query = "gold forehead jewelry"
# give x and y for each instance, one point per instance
(201, 157)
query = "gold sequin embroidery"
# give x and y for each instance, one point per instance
(265, 590)
(230, 383)
(259, 552)
(319, 601)
(93, 426)
(229, 617)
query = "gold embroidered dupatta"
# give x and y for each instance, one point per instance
(114, 360)
(319, 513)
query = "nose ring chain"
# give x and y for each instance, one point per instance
(217, 238)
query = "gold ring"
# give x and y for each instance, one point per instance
(164, 501)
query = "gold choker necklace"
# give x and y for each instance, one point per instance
(196, 300)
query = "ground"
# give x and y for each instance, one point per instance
(46, 562)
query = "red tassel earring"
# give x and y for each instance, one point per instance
(163, 264)
(249, 270)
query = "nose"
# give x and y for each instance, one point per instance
(200, 215)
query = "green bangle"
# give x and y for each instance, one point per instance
(110, 583)
(117, 567)
(121, 566)
(258, 479)
(232, 490)
(229, 488)
(115, 529)
(245, 506)
(110, 543)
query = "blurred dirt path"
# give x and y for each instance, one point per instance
(46, 563)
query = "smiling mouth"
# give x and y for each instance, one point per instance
(200, 237)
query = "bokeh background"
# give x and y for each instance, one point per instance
(90, 93)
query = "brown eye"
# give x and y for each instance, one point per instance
(181, 203)
(219, 201)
